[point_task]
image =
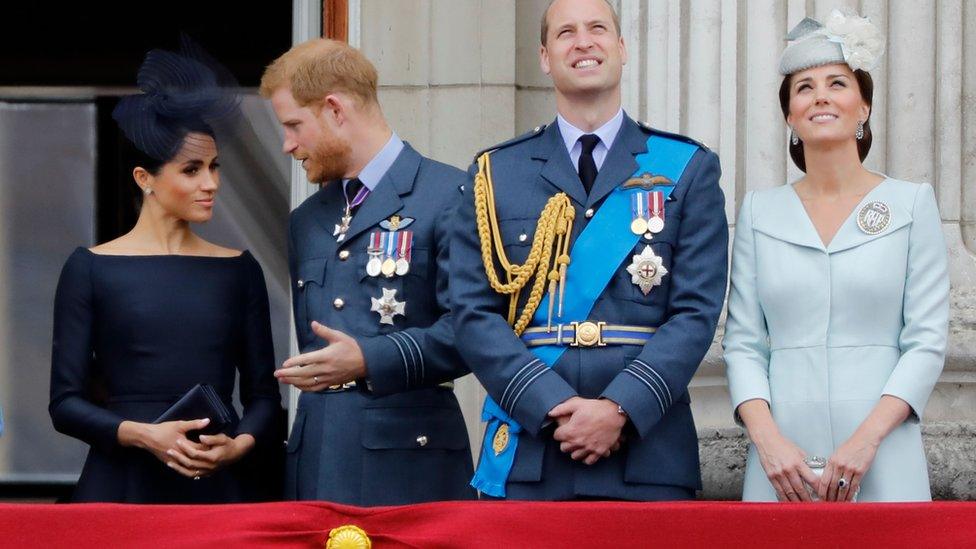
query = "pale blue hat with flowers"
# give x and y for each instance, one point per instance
(844, 38)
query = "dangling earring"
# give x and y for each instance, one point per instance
(793, 138)
(859, 133)
(147, 191)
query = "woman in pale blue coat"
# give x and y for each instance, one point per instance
(838, 311)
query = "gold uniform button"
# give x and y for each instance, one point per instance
(422, 440)
(338, 303)
(588, 213)
(344, 255)
(301, 283)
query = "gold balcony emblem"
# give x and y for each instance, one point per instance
(348, 537)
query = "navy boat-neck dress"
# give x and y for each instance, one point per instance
(131, 335)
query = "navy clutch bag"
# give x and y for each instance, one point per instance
(202, 401)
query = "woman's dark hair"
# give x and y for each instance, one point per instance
(866, 85)
(132, 157)
(182, 93)
(135, 157)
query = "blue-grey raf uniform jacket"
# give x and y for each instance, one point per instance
(400, 438)
(659, 460)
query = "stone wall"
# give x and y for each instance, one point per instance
(460, 75)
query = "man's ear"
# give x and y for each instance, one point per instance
(332, 110)
(544, 59)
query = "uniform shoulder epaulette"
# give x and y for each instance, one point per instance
(676, 136)
(513, 141)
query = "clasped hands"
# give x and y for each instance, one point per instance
(588, 429)
(786, 469)
(168, 442)
(340, 362)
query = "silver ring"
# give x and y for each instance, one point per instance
(815, 462)
(315, 379)
(197, 477)
(842, 483)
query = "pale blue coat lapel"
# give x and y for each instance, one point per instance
(784, 218)
(850, 235)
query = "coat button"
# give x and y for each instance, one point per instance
(301, 283)
(422, 440)
(523, 237)
(588, 213)
(344, 255)
(338, 303)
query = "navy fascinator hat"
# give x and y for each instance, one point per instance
(181, 93)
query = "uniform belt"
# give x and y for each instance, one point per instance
(587, 334)
(352, 386)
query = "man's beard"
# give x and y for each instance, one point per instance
(329, 160)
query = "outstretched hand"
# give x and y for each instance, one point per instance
(340, 362)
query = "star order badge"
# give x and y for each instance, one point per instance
(646, 270)
(388, 306)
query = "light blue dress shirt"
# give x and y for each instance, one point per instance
(377, 167)
(607, 133)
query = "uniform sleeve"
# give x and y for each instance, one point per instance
(420, 357)
(70, 407)
(525, 387)
(926, 308)
(746, 340)
(648, 386)
(258, 386)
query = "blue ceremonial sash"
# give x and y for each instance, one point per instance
(596, 255)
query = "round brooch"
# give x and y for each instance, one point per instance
(348, 537)
(874, 217)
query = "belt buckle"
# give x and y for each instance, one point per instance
(587, 334)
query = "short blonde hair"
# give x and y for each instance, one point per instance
(314, 69)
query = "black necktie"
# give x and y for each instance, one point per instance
(587, 166)
(351, 189)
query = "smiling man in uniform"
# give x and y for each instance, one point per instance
(588, 272)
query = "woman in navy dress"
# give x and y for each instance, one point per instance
(140, 320)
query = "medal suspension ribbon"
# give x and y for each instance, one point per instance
(552, 234)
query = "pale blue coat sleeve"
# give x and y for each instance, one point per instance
(926, 308)
(746, 341)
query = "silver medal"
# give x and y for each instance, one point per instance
(374, 265)
(655, 224)
(402, 267)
